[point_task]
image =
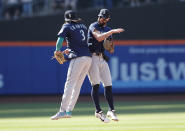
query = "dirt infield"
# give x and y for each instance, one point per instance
(123, 97)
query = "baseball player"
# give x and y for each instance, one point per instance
(99, 70)
(74, 32)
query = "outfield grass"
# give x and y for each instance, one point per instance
(134, 116)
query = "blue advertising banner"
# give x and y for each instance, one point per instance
(135, 68)
(156, 68)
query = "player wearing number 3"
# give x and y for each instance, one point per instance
(80, 61)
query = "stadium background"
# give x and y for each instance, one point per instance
(148, 58)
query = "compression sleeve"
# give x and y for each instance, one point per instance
(59, 43)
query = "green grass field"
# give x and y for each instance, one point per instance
(134, 116)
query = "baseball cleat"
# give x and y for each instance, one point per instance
(112, 115)
(68, 114)
(102, 117)
(58, 116)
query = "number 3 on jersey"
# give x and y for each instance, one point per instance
(83, 35)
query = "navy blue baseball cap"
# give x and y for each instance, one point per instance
(105, 13)
(70, 15)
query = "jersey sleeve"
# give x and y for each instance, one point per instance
(63, 32)
(92, 27)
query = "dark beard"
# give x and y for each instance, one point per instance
(102, 24)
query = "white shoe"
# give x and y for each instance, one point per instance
(102, 117)
(112, 115)
(59, 115)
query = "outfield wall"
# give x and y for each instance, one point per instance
(138, 66)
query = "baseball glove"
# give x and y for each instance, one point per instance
(59, 56)
(108, 45)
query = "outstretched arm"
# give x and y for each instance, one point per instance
(102, 36)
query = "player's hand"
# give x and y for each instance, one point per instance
(57, 52)
(119, 30)
(67, 51)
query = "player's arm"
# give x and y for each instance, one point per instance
(61, 36)
(102, 36)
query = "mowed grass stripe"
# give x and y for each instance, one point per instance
(87, 109)
(36, 117)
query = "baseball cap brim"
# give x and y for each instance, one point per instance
(106, 17)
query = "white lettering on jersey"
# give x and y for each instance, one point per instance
(78, 26)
